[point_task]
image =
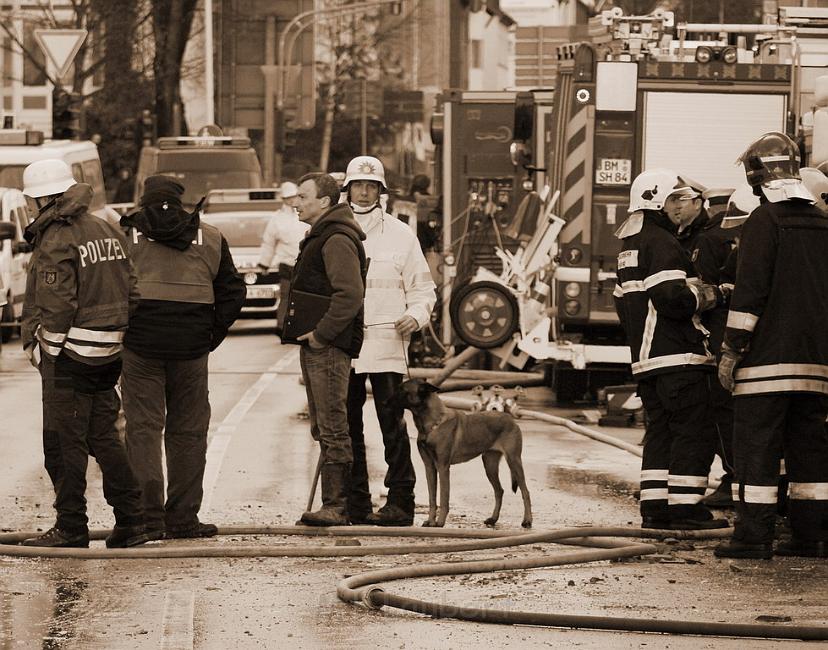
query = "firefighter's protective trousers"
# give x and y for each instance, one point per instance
(768, 427)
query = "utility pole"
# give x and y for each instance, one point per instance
(363, 115)
(208, 62)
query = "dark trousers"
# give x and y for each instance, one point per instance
(167, 399)
(80, 408)
(766, 428)
(721, 404)
(325, 372)
(679, 444)
(399, 479)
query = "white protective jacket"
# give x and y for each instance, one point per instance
(399, 283)
(280, 241)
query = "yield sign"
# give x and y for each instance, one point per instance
(61, 46)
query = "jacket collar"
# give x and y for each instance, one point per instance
(66, 208)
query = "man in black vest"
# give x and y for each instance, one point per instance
(190, 295)
(331, 263)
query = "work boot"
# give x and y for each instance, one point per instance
(803, 548)
(653, 523)
(696, 518)
(391, 515)
(57, 538)
(744, 550)
(722, 496)
(336, 478)
(126, 536)
(192, 532)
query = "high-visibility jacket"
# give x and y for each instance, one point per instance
(398, 284)
(80, 287)
(779, 306)
(657, 300)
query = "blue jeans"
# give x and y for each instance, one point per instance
(326, 372)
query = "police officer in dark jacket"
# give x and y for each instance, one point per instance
(658, 299)
(190, 295)
(79, 293)
(331, 264)
(775, 359)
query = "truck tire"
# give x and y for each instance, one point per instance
(484, 314)
(7, 322)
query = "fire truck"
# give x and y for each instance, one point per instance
(642, 92)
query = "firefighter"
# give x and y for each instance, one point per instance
(79, 292)
(399, 297)
(817, 184)
(686, 211)
(775, 359)
(658, 300)
(712, 246)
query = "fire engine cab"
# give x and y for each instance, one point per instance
(641, 93)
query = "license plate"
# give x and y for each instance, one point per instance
(261, 292)
(613, 171)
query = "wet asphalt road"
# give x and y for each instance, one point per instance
(260, 465)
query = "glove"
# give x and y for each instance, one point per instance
(726, 290)
(710, 296)
(727, 368)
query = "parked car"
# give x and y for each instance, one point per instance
(14, 259)
(242, 216)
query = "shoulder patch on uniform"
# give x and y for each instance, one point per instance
(50, 277)
(627, 259)
(695, 254)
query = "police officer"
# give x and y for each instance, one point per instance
(775, 359)
(190, 295)
(399, 297)
(79, 292)
(658, 299)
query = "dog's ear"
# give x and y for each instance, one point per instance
(426, 388)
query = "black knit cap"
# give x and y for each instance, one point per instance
(160, 189)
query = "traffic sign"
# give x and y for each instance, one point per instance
(403, 105)
(61, 46)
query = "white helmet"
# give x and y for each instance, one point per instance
(288, 190)
(651, 188)
(47, 177)
(817, 184)
(365, 168)
(742, 202)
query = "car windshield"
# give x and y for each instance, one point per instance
(239, 230)
(198, 182)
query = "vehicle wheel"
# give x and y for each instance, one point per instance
(484, 314)
(7, 322)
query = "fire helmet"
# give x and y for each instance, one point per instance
(651, 188)
(772, 157)
(365, 168)
(47, 177)
(742, 202)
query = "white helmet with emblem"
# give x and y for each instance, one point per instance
(47, 177)
(742, 202)
(651, 188)
(365, 168)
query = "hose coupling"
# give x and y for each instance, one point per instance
(367, 597)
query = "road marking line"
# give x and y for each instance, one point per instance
(220, 440)
(177, 622)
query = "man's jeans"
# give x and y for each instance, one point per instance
(169, 398)
(80, 408)
(326, 373)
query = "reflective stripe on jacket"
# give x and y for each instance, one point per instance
(398, 283)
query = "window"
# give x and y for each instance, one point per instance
(476, 52)
(34, 61)
(93, 175)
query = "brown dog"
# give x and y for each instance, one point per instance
(447, 437)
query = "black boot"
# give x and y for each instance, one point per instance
(126, 536)
(336, 478)
(57, 538)
(722, 496)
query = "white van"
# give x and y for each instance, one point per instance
(81, 156)
(14, 261)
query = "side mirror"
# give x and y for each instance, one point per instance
(7, 230)
(19, 247)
